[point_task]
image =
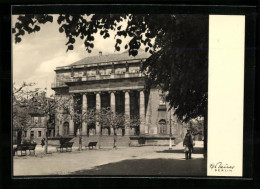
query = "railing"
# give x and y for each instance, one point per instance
(62, 83)
(58, 84)
(104, 76)
(135, 74)
(119, 76)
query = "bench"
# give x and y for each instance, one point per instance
(66, 145)
(91, 144)
(24, 148)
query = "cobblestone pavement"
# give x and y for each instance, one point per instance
(75, 161)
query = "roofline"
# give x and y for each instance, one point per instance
(98, 64)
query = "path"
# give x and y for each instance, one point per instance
(156, 160)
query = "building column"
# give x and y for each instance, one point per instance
(127, 113)
(84, 111)
(71, 127)
(98, 107)
(142, 112)
(113, 102)
(113, 107)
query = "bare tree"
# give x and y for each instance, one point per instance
(21, 105)
(49, 107)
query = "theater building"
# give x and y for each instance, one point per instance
(114, 81)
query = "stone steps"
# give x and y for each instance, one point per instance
(105, 141)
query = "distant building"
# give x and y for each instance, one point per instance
(114, 81)
(36, 124)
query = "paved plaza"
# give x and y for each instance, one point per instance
(144, 160)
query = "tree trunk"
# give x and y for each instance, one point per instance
(19, 138)
(80, 142)
(46, 145)
(205, 132)
(115, 138)
(80, 136)
(99, 145)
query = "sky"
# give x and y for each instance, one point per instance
(35, 58)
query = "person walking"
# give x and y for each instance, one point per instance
(43, 142)
(188, 144)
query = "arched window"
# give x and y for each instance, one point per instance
(162, 126)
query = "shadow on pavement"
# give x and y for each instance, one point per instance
(150, 167)
(195, 151)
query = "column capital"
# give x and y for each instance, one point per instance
(126, 91)
(111, 91)
(84, 93)
(97, 92)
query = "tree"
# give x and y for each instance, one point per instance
(178, 45)
(21, 106)
(49, 107)
(196, 126)
(103, 119)
(75, 113)
(135, 123)
(112, 120)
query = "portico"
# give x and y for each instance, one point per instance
(120, 101)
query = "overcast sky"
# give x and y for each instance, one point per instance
(38, 54)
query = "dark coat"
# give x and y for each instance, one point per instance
(188, 141)
(43, 142)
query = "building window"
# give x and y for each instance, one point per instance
(25, 133)
(39, 134)
(49, 133)
(162, 100)
(162, 126)
(32, 134)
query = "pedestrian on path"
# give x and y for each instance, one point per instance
(43, 142)
(188, 144)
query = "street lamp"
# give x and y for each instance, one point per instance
(170, 144)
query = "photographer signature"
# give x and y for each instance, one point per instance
(220, 167)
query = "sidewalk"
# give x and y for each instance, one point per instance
(155, 160)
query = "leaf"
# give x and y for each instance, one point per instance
(61, 30)
(70, 47)
(134, 52)
(90, 38)
(106, 35)
(91, 45)
(49, 18)
(117, 48)
(18, 25)
(18, 39)
(119, 41)
(21, 32)
(148, 35)
(36, 28)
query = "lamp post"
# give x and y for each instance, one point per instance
(170, 144)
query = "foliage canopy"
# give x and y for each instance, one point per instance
(178, 45)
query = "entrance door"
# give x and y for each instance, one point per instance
(65, 128)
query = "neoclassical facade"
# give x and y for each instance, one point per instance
(113, 81)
